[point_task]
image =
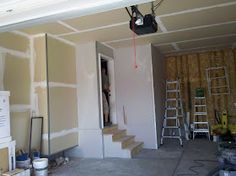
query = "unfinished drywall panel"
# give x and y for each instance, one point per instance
(61, 61)
(17, 79)
(134, 94)
(102, 49)
(63, 109)
(191, 69)
(159, 80)
(13, 41)
(39, 59)
(20, 122)
(4, 165)
(65, 141)
(62, 94)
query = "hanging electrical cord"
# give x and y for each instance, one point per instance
(134, 42)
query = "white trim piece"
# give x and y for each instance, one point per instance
(168, 32)
(21, 33)
(94, 29)
(198, 9)
(161, 25)
(175, 46)
(108, 46)
(19, 54)
(57, 84)
(67, 26)
(60, 134)
(62, 39)
(20, 108)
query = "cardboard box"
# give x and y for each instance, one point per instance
(18, 172)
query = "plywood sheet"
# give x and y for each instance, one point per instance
(61, 62)
(17, 79)
(13, 41)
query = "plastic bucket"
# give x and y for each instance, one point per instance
(40, 167)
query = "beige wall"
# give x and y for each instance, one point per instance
(16, 79)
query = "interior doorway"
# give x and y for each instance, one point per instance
(107, 90)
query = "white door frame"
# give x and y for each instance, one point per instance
(112, 99)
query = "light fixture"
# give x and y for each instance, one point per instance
(136, 14)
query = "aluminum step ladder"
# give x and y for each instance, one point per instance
(173, 110)
(200, 121)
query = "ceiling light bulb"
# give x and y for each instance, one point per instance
(139, 21)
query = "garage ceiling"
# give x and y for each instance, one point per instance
(184, 25)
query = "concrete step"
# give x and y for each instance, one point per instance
(134, 148)
(110, 129)
(117, 134)
(125, 141)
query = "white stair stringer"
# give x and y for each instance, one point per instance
(117, 144)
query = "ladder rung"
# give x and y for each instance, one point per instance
(202, 130)
(173, 99)
(200, 113)
(200, 97)
(201, 123)
(219, 77)
(171, 127)
(218, 87)
(172, 90)
(173, 108)
(172, 82)
(200, 105)
(171, 118)
(178, 137)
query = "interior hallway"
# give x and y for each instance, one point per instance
(170, 160)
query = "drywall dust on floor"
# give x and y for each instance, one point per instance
(169, 160)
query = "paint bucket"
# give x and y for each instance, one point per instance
(216, 138)
(40, 167)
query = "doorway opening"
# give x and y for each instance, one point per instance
(107, 91)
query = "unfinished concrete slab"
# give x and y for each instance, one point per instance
(170, 160)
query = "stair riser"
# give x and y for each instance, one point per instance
(127, 142)
(136, 150)
(118, 135)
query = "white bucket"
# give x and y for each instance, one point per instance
(40, 167)
(216, 138)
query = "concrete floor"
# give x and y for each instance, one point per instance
(169, 160)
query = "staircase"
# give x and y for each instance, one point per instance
(118, 144)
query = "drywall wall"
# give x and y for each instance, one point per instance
(134, 94)
(159, 80)
(191, 69)
(15, 77)
(90, 133)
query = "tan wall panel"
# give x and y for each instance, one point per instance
(40, 59)
(4, 165)
(64, 142)
(14, 41)
(61, 62)
(20, 123)
(63, 109)
(17, 79)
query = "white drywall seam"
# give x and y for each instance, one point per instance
(32, 88)
(20, 108)
(62, 40)
(60, 133)
(67, 26)
(161, 25)
(57, 84)
(18, 54)
(175, 46)
(2, 66)
(173, 31)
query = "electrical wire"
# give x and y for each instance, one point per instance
(134, 43)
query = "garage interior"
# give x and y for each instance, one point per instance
(170, 93)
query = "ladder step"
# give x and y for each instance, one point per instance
(201, 130)
(173, 108)
(171, 118)
(200, 113)
(178, 137)
(172, 90)
(218, 87)
(172, 82)
(197, 98)
(200, 123)
(173, 99)
(171, 127)
(219, 77)
(199, 105)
